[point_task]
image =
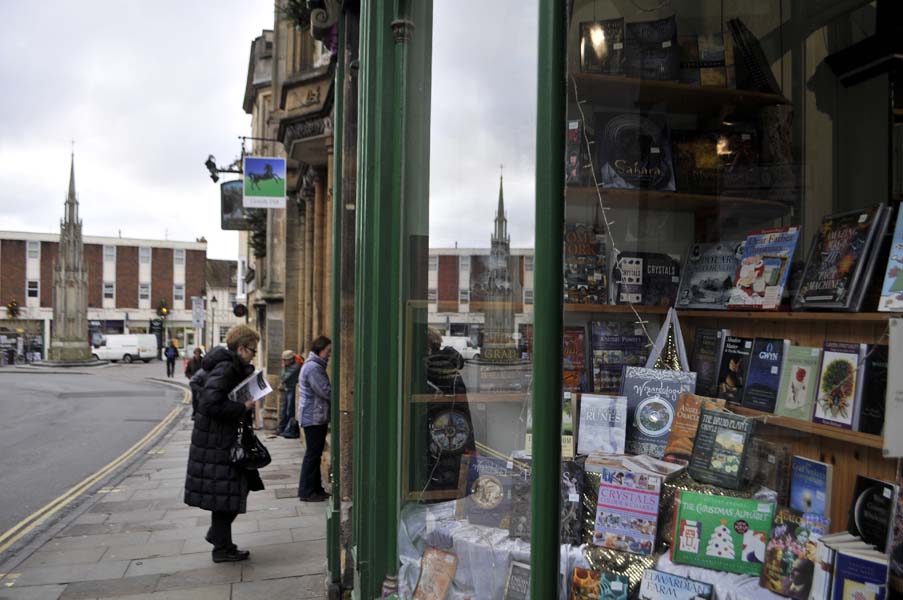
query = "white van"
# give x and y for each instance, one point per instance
(126, 347)
(463, 345)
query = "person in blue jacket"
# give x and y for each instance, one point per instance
(314, 393)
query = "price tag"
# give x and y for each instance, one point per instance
(863, 217)
(771, 459)
(618, 46)
(764, 507)
(774, 370)
(747, 345)
(666, 44)
(655, 150)
(510, 465)
(617, 586)
(574, 498)
(887, 492)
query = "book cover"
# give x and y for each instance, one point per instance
(656, 585)
(720, 448)
(721, 533)
(575, 162)
(602, 47)
(734, 364)
(711, 60)
(708, 275)
(571, 521)
(646, 278)
(892, 290)
(790, 554)
(650, 49)
(573, 368)
(651, 400)
(587, 584)
(615, 344)
(878, 249)
(764, 268)
(893, 404)
(871, 510)
(585, 265)
(706, 358)
(686, 421)
(810, 486)
(874, 390)
(627, 510)
(836, 257)
(437, 571)
(688, 53)
(634, 151)
(603, 424)
(860, 575)
(487, 499)
(753, 70)
(895, 548)
(838, 384)
(770, 465)
(799, 382)
(763, 377)
(517, 585)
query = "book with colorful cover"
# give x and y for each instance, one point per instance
(721, 532)
(871, 512)
(627, 510)
(573, 368)
(656, 585)
(839, 384)
(587, 584)
(720, 450)
(706, 357)
(790, 553)
(708, 275)
(810, 486)
(763, 377)
(874, 390)
(799, 383)
(651, 400)
(646, 278)
(732, 370)
(892, 290)
(585, 265)
(602, 425)
(615, 344)
(487, 499)
(860, 575)
(437, 571)
(764, 268)
(686, 421)
(517, 585)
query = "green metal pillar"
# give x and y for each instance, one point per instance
(547, 328)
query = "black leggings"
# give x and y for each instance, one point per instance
(220, 532)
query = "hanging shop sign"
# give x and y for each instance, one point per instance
(233, 215)
(264, 183)
(197, 312)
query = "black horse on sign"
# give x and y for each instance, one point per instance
(267, 175)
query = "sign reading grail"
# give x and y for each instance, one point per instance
(233, 215)
(264, 183)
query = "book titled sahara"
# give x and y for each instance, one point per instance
(573, 368)
(763, 377)
(708, 275)
(585, 265)
(634, 151)
(764, 268)
(720, 449)
(652, 396)
(836, 258)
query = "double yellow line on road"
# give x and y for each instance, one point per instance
(26, 525)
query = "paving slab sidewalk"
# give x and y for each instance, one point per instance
(137, 539)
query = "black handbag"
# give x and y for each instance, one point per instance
(248, 452)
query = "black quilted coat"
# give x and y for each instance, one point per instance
(212, 483)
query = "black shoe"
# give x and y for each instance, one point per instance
(233, 554)
(325, 493)
(315, 497)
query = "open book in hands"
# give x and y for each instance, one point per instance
(254, 387)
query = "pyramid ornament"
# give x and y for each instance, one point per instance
(669, 352)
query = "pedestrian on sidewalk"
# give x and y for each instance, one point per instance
(288, 426)
(213, 483)
(314, 394)
(192, 367)
(171, 353)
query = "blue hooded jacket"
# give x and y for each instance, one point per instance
(314, 392)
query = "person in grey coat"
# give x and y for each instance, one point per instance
(314, 393)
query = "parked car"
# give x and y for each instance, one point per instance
(463, 345)
(126, 347)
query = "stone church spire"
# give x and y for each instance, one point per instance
(71, 201)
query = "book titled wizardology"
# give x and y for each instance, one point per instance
(708, 275)
(651, 400)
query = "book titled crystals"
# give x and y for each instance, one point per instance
(721, 533)
(734, 364)
(646, 278)
(707, 347)
(719, 452)
(790, 553)
(763, 377)
(651, 400)
(839, 384)
(685, 425)
(656, 585)
(615, 344)
(799, 382)
(627, 510)
(585, 265)
(573, 368)
(892, 290)
(708, 275)
(764, 268)
(810, 486)
(602, 425)
(634, 151)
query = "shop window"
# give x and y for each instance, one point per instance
(528, 296)
(144, 255)
(528, 263)
(433, 263)
(178, 292)
(109, 253)
(432, 295)
(179, 256)
(463, 296)
(109, 291)
(33, 289)
(144, 291)
(464, 262)
(233, 299)
(223, 331)
(34, 249)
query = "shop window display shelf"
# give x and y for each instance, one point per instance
(825, 431)
(652, 200)
(860, 317)
(474, 398)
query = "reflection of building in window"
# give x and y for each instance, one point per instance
(144, 255)
(144, 291)
(109, 253)
(109, 291)
(528, 263)
(34, 249)
(223, 330)
(179, 256)
(178, 292)
(464, 296)
(528, 296)
(33, 289)
(433, 263)
(465, 263)
(432, 294)
(498, 339)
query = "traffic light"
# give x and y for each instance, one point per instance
(162, 309)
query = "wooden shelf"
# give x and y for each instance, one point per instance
(825, 431)
(861, 317)
(615, 309)
(679, 202)
(475, 398)
(671, 95)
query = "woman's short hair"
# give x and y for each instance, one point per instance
(241, 335)
(319, 344)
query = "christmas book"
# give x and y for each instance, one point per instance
(517, 584)
(732, 370)
(437, 571)
(721, 532)
(763, 377)
(646, 278)
(810, 486)
(615, 344)
(650, 49)
(860, 574)
(720, 450)
(799, 382)
(686, 421)
(707, 347)
(634, 151)
(871, 512)
(839, 384)
(892, 290)
(602, 426)
(790, 553)
(708, 275)
(764, 268)
(836, 259)
(627, 510)
(587, 584)
(651, 400)
(874, 390)
(573, 368)
(657, 585)
(585, 265)
(602, 47)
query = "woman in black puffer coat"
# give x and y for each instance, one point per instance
(212, 482)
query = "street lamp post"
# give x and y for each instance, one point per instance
(213, 303)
